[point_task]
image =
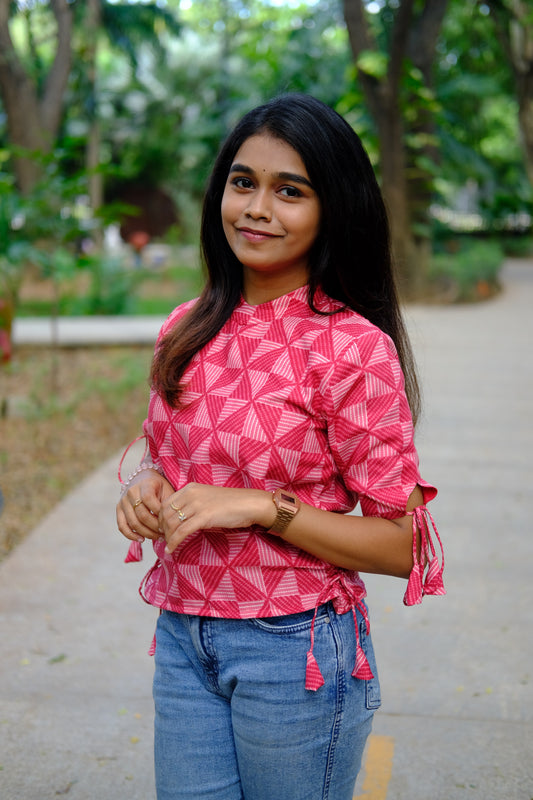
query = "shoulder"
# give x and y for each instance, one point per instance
(351, 338)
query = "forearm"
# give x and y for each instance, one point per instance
(365, 544)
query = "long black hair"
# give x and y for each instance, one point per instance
(350, 258)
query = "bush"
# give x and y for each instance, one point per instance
(517, 246)
(466, 270)
(111, 290)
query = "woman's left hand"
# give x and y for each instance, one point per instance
(198, 507)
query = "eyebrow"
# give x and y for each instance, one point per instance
(284, 176)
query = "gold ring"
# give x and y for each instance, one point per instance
(181, 515)
(137, 503)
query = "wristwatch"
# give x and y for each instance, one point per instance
(287, 506)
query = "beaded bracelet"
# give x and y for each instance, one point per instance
(145, 465)
(142, 466)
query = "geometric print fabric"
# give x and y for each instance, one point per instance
(281, 397)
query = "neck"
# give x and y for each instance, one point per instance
(259, 289)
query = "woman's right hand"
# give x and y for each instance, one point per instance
(138, 508)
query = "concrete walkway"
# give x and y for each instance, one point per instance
(457, 716)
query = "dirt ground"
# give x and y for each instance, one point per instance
(61, 415)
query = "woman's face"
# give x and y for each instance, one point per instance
(270, 214)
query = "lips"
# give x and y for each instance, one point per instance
(256, 236)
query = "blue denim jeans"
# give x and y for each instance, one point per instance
(233, 720)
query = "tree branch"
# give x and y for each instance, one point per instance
(16, 88)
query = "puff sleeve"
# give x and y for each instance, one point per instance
(371, 436)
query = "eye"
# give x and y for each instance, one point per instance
(242, 182)
(290, 191)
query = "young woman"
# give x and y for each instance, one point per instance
(280, 399)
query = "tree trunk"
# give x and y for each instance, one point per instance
(33, 120)
(394, 188)
(421, 48)
(21, 106)
(413, 37)
(525, 119)
(382, 96)
(92, 156)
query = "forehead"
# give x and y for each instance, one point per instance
(267, 153)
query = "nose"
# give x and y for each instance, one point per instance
(259, 206)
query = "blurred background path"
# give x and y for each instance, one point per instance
(457, 716)
(456, 672)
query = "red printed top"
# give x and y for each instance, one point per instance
(285, 397)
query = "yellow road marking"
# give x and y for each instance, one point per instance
(377, 768)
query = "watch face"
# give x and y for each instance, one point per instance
(286, 502)
(289, 499)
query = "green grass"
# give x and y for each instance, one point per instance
(156, 305)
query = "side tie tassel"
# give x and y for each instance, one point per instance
(313, 676)
(361, 669)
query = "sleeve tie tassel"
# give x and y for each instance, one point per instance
(417, 585)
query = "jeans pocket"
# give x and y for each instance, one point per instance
(292, 623)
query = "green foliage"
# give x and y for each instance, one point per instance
(43, 229)
(172, 78)
(164, 125)
(478, 119)
(109, 286)
(46, 231)
(467, 269)
(130, 26)
(373, 63)
(517, 246)
(111, 289)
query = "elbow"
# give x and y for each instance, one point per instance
(404, 553)
(401, 568)
(406, 572)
